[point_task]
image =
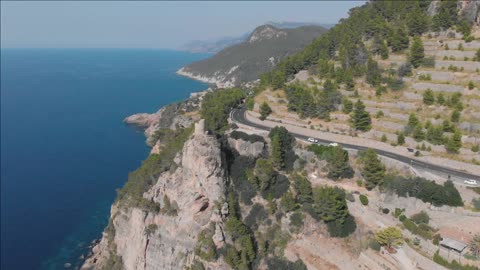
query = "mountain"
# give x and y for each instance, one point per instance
(244, 62)
(212, 46)
(216, 45)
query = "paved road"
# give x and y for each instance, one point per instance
(238, 115)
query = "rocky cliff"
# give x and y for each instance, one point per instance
(192, 199)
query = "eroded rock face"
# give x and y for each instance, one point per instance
(196, 191)
(467, 9)
(246, 148)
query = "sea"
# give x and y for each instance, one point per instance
(64, 147)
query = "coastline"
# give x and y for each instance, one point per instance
(211, 80)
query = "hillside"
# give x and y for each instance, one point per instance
(244, 62)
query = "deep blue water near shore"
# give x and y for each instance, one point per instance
(64, 148)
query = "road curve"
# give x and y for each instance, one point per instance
(238, 115)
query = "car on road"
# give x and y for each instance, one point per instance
(312, 140)
(333, 144)
(470, 182)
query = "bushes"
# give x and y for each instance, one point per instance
(256, 215)
(421, 217)
(363, 199)
(427, 191)
(296, 220)
(216, 107)
(422, 231)
(454, 265)
(253, 138)
(265, 111)
(282, 264)
(140, 180)
(205, 247)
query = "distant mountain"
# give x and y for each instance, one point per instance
(212, 46)
(285, 25)
(216, 45)
(244, 62)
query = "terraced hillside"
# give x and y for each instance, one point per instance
(391, 111)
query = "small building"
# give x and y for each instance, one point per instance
(452, 244)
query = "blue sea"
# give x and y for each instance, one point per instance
(64, 147)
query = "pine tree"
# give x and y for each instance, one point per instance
(418, 133)
(361, 118)
(303, 188)
(428, 97)
(277, 155)
(384, 50)
(348, 80)
(417, 52)
(447, 15)
(265, 110)
(455, 116)
(338, 164)
(347, 105)
(454, 143)
(373, 72)
(440, 98)
(401, 139)
(417, 21)
(373, 170)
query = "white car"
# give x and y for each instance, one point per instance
(470, 182)
(334, 144)
(312, 140)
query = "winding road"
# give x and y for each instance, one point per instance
(238, 115)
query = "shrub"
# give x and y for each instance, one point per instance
(398, 212)
(471, 85)
(385, 211)
(363, 199)
(429, 62)
(384, 138)
(296, 220)
(426, 190)
(265, 111)
(373, 244)
(257, 214)
(402, 218)
(253, 138)
(282, 264)
(421, 217)
(338, 229)
(425, 77)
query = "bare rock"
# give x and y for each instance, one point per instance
(246, 148)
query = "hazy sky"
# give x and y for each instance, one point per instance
(125, 24)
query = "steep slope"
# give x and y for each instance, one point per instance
(190, 201)
(244, 62)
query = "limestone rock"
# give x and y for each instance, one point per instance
(246, 148)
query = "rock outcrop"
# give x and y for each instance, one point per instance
(172, 116)
(195, 197)
(246, 148)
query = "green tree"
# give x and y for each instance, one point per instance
(390, 237)
(265, 173)
(418, 133)
(374, 75)
(216, 107)
(277, 154)
(401, 139)
(446, 15)
(398, 40)
(417, 53)
(347, 105)
(303, 188)
(338, 163)
(373, 169)
(265, 111)
(440, 98)
(455, 116)
(384, 50)
(288, 202)
(348, 80)
(417, 21)
(282, 147)
(330, 204)
(384, 138)
(454, 143)
(361, 118)
(428, 97)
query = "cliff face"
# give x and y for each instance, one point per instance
(194, 196)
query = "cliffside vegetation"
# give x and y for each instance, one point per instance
(142, 179)
(216, 107)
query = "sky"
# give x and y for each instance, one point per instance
(151, 24)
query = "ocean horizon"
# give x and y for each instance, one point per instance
(65, 149)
